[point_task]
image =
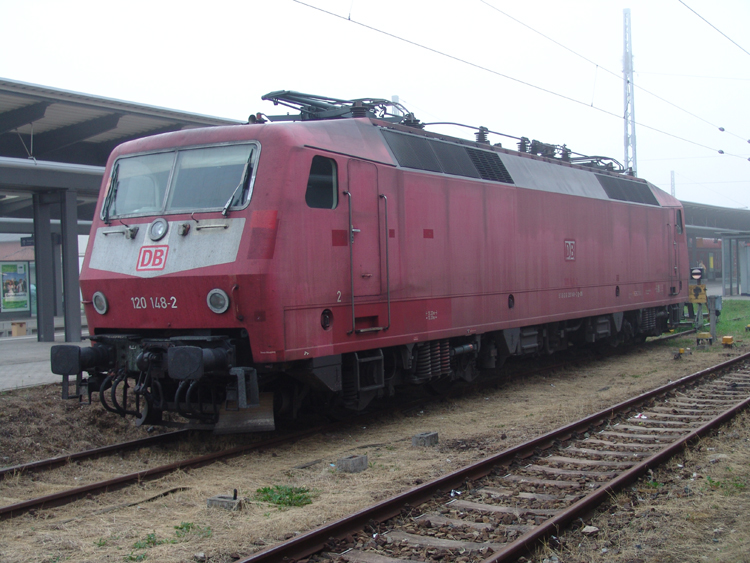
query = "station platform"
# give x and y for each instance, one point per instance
(24, 361)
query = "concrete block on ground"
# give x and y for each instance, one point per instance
(352, 463)
(425, 439)
(227, 502)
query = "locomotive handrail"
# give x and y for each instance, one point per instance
(351, 255)
(352, 230)
(387, 262)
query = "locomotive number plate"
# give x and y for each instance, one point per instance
(154, 302)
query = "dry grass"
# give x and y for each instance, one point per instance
(107, 528)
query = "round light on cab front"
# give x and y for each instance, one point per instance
(218, 301)
(100, 303)
(158, 229)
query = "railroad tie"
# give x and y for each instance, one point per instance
(516, 511)
(541, 482)
(581, 473)
(414, 540)
(357, 556)
(607, 453)
(592, 462)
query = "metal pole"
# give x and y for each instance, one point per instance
(628, 91)
(45, 278)
(711, 303)
(71, 294)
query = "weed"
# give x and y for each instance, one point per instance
(728, 486)
(150, 541)
(654, 484)
(101, 542)
(136, 556)
(283, 495)
(188, 528)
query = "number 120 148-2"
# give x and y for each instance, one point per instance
(154, 302)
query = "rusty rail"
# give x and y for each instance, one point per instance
(52, 462)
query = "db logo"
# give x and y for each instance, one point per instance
(570, 250)
(152, 258)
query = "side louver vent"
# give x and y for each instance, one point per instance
(627, 190)
(489, 165)
(438, 156)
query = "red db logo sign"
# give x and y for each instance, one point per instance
(152, 258)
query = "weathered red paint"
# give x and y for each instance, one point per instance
(458, 249)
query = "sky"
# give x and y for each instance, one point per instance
(546, 70)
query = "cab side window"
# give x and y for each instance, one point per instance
(679, 222)
(322, 185)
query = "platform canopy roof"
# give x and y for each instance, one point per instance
(53, 139)
(710, 221)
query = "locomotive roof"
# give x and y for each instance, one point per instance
(410, 148)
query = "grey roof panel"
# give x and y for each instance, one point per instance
(551, 177)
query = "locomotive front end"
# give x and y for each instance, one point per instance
(166, 288)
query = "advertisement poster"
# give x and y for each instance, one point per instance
(15, 288)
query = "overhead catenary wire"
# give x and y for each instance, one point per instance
(716, 28)
(615, 74)
(693, 75)
(508, 77)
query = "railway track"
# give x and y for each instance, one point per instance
(57, 461)
(107, 485)
(70, 495)
(497, 509)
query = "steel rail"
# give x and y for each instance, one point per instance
(57, 461)
(310, 542)
(65, 497)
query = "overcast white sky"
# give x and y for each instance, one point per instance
(218, 58)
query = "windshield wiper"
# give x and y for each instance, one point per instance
(110, 194)
(225, 210)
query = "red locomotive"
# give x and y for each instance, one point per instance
(236, 270)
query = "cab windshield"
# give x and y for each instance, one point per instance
(186, 180)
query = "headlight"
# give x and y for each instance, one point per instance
(158, 229)
(218, 300)
(100, 303)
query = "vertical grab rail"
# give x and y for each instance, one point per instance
(387, 262)
(351, 255)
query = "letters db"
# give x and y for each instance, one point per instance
(152, 258)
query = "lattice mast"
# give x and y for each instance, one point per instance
(628, 87)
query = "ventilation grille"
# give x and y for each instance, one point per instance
(489, 165)
(627, 190)
(437, 156)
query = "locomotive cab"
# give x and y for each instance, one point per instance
(170, 227)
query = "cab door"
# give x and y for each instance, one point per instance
(364, 229)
